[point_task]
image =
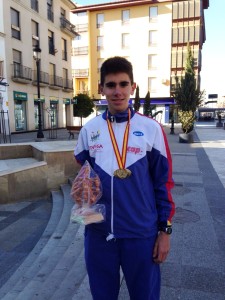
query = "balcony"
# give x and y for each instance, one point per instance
(21, 73)
(81, 28)
(81, 73)
(67, 27)
(80, 51)
(55, 82)
(67, 85)
(43, 80)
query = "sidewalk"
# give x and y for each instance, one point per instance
(195, 268)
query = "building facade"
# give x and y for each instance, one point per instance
(24, 25)
(153, 35)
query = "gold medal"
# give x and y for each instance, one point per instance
(122, 173)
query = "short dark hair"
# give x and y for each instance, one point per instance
(114, 65)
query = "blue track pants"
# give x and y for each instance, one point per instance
(134, 256)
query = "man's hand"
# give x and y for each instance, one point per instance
(161, 248)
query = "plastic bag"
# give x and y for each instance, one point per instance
(86, 191)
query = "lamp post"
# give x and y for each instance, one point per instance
(37, 54)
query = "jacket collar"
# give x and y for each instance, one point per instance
(119, 117)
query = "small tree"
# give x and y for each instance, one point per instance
(137, 101)
(147, 104)
(188, 95)
(149, 108)
(83, 106)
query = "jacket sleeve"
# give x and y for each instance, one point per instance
(161, 173)
(81, 151)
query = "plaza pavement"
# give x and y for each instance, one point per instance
(195, 268)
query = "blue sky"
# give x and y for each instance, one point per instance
(213, 51)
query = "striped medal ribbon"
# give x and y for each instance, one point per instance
(122, 172)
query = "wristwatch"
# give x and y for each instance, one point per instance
(167, 229)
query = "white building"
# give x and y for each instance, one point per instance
(25, 24)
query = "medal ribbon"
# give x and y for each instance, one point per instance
(121, 159)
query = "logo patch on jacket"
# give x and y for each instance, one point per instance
(95, 136)
(138, 133)
(134, 150)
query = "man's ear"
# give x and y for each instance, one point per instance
(133, 88)
(100, 88)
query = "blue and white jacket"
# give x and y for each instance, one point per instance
(138, 205)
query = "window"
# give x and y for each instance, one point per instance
(125, 40)
(15, 24)
(50, 13)
(152, 84)
(100, 20)
(65, 74)
(1, 69)
(125, 17)
(153, 37)
(64, 49)
(17, 63)
(153, 13)
(34, 5)
(63, 12)
(99, 43)
(152, 61)
(51, 44)
(35, 33)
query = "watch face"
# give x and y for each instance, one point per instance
(168, 230)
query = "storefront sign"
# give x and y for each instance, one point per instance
(20, 96)
(66, 101)
(42, 98)
(54, 101)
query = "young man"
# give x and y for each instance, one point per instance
(130, 154)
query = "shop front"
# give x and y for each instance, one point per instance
(20, 105)
(42, 101)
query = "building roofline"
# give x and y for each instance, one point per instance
(115, 4)
(124, 3)
(70, 4)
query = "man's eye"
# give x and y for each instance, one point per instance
(124, 83)
(111, 85)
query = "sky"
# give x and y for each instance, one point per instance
(213, 50)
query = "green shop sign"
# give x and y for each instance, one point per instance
(42, 98)
(66, 101)
(19, 96)
(54, 101)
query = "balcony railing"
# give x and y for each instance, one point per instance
(81, 73)
(21, 73)
(68, 27)
(81, 27)
(67, 85)
(55, 82)
(79, 51)
(43, 80)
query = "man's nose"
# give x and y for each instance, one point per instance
(117, 89)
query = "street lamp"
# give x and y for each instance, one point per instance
(37, 57)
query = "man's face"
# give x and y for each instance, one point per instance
(117, 89)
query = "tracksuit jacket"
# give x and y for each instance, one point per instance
(138, 205)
